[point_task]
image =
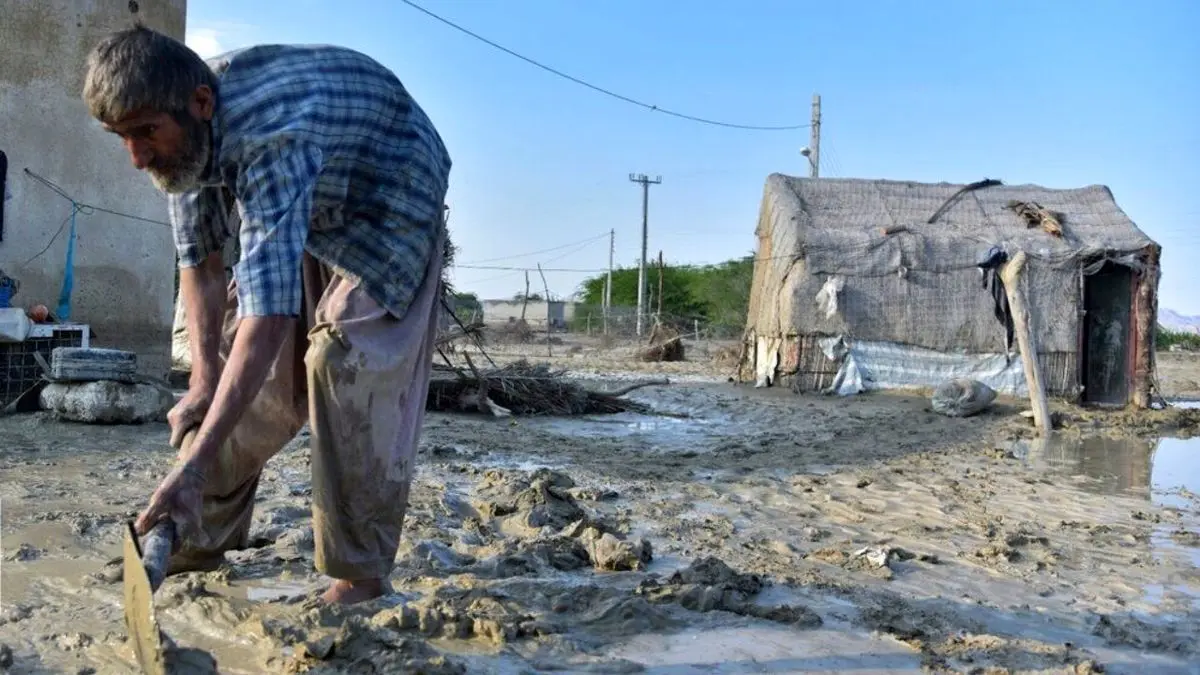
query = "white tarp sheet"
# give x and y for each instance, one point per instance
(868, 366)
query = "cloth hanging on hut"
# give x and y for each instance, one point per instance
(989, 270)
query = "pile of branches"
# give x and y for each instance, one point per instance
(666, 344)
(449, 340)
(522, 388)
(514, 331)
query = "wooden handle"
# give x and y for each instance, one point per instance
(156, 552)
(160, 540)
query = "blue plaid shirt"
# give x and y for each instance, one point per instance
(322, 149)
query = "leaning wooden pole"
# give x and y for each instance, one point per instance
(1011, 274)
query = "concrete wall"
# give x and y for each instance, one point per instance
(500, 311)
(537, 312)
(124, 268)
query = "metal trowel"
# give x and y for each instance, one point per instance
(144, 571)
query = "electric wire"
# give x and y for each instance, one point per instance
(607, 92)
(545, 250)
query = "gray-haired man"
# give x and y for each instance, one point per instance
(339, 180)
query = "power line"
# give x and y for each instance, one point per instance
(545, 250)
(648, 106)
(786, 256)
(529, 269)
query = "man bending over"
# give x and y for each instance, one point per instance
(338, 179)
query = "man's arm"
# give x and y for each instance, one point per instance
(200, 223)
(275, 191)
(202, 290)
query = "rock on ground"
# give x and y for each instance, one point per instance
(107, 402)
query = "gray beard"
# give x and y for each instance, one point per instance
(183, 174)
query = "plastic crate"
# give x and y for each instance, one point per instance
(20, 370)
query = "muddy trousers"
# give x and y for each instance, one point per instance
(359, 377)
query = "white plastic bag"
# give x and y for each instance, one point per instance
(14, 325)
(962, 397)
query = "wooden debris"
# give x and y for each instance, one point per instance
(473, 331)
(666, 344)
(522, 388)
(1011, 273)
(1036, 215)
(513, 331)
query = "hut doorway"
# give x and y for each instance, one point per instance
(1106, 331)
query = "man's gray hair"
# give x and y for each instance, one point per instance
(140, 69)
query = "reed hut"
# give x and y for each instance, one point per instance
(863, 284)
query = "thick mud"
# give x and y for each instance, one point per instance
(754, 531)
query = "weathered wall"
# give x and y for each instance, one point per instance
(500, 311)
(124, 268)
(536, 313)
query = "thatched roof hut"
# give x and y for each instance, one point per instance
(876, 284)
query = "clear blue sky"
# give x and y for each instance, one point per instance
(1065, 94)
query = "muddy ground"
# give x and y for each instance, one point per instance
(763, 532)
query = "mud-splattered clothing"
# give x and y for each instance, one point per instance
(325, 152)
(359, 376)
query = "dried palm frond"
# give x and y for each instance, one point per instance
(522, 388)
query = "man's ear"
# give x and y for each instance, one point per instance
(203, 103)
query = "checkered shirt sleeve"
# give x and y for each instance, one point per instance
(199, 220)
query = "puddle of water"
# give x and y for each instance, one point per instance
(666, 431)
(1176, 473)
(492, 460)
(1163, 472)
(1122, 464)
(689, 416)
(267, 590)
(766, 649)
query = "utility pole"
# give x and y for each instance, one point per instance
(814, 143)
(612, 250)
(641, 298)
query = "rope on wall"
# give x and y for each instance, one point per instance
(63, 310)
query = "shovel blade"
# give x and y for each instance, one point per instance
(141, 623)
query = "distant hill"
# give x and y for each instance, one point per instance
(1172, 320)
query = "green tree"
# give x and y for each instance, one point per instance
(716, 295)
(465, 303)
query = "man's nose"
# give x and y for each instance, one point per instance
(139, 153)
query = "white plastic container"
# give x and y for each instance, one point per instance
(14, 325)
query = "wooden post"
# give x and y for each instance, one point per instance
(525, 298)
(1011, 275)
(546, 289)
(1145, 324)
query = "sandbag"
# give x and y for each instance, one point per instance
(962, 397)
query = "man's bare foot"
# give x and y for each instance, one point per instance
(353, 592)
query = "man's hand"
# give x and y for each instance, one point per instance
(189, 412)
(179, 497)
